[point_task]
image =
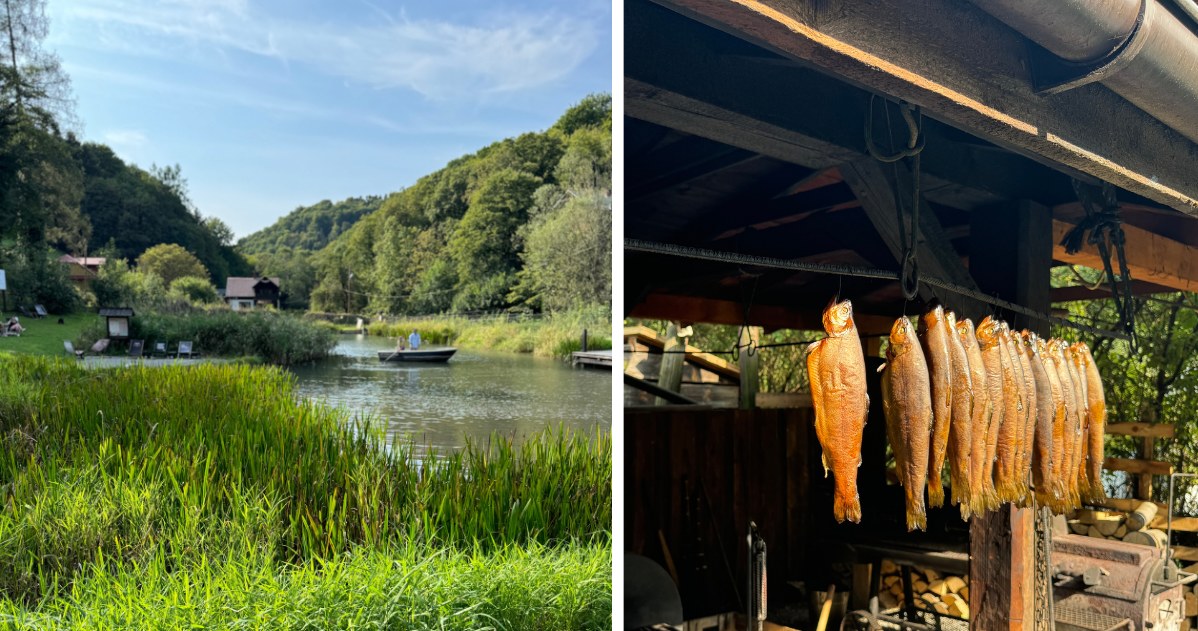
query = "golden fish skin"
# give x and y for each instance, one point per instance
(907, 402)
(1069, 462)
(981, 491)
(1096, 403)
(836, 372)
(1023, 467)
(991, 350)
(1078, 370)
(1048, 351)
(960, 433)
(935, 346)
(1012, 422)
(1042, 449)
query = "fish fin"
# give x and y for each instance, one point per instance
(824, 460)
(881, 368)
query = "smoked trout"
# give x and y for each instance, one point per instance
(1042, 449)
(1078, 369)
(1096, 402)
(1057, 484)
(1069, 462)
(991, 351)
(1023, 468)
(1012, 420)
(981, 491)
(960, 433)
(936, 347)
(836, 372)
(907, 402)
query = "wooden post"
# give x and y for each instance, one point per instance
(1147, 452)
(1010, 256)
(748, 366)
(672, 360)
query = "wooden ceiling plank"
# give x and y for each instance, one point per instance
(659, 306)
(1151, 257)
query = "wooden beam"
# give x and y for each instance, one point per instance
(669, 376)
(1081, 292)
(1158, 430)
(1151, 257)
(661, 393)
(748, 363)
(1151, 467)
(693, 309)
(873, 184)
(964, 68)
(695, 355)
(1002, 569)
(1148, 453)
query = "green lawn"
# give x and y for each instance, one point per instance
(44, 336)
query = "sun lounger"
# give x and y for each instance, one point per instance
(159, 350)
(100, 346)
(136, 348)
(184, 349)
(70, 349)
(40, 311)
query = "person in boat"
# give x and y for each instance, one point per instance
(414, 340)
(399, 345)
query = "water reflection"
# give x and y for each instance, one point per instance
(476, 393)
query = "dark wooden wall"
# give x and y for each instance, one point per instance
(698, 477)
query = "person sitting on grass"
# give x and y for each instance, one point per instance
(13, 326)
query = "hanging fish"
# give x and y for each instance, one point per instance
(907, 402)
(1058, 487)
(981, 486)
(1013, 420)
(1041, 461)
(936, 347)
(1096, 403)
(836, 372)
(991, 350)
(1023, 463)
(960, 433)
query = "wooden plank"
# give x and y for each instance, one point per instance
(1144, 481)
(1180, 524)
(1001, 569)
(1183, 553)
(1152, 467)
(644, 335)
(1151, 257)
(658, 306)
(783, 400)
(966, 69)
(669, 376)
(1102, 292)
(1158, 430)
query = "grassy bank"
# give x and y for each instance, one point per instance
(44, 336)
(201, 493)
(554, 335)
(274, 337)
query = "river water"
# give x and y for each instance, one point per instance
(475, 394)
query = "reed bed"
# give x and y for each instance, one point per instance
(108, 476)
(275, 337)
(554, 335)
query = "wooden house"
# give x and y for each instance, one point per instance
(248, 293)
(82, 269)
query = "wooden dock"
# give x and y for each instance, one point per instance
(602, 359)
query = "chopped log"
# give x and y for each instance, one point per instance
(964, 593)
(1185, 553)
(940, 608)
(959, 609)
(1095, 532)
(1141, 516)
(888, 567)
(938, 587)
(930, 597)
(932, 575)
(955, 584)
(1124, 505)
(897, 590)
(891, 580)
(1108, 525)
(1191, 604)
(919, 587)
(1121, 531)
(1086, 516)
(1187, 624)
(1078, 527)
(888, 600)
(1149, 537)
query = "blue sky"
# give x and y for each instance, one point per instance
(272, 104)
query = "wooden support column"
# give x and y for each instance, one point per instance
(1147, 452)
(748, 366)
(672, 361)
(1010, 256)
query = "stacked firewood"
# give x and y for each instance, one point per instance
(1190, 621)
(1130, 527)
(945, 594)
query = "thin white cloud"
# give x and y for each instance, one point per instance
(125, 139)
(511, 52)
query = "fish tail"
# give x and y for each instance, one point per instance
(846, 504)
(935, 492)
(916, 519)
(966, 510)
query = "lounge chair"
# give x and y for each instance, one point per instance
(136, 348)
(100, 346)
(70, 349)
(40, 311)
(184, 349)
(159, 350)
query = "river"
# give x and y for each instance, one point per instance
(475, 394)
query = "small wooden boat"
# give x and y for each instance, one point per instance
(427, 355)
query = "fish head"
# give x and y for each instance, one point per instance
(965, 332)
(901, 335)
(1029, 341)
(838, 318)
(988, 332)
(933, 317)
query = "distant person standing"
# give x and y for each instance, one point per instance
(414, 340)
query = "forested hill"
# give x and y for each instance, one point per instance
(524, 223)
(309, 227)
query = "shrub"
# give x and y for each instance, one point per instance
(195, 289)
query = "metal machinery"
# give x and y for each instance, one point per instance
(1101, 585)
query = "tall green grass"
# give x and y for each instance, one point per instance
(275, 337)
(113, 475)
(554, 335)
